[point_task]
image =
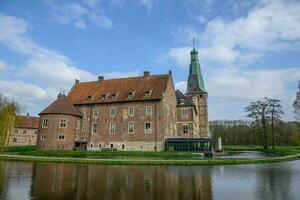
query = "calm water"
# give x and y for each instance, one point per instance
(21, 180)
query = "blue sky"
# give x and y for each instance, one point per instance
(247, 49)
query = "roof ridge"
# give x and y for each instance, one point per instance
(124, 78)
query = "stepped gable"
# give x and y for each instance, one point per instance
(61, 106)
(117, 90)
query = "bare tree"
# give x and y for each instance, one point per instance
(297, 104)
(258, 111)
(275, 113)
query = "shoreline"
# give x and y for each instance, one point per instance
(24, 158)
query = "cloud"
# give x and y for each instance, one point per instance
(269, 26)
(3, 65)
(111, 75)
(79, 13)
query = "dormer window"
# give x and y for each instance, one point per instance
(147, 94)
(130, 95)
(89, 98)
(103, 97)
(113, 97)
(181, 101)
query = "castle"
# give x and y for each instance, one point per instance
(142, 113)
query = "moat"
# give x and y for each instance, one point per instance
(25, 180)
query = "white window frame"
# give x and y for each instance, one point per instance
(93, 130)
(15, 140)
(183, 114)
(60, 123)
(148, 110)
(95, 113)
(43, 137)
(24, 131)
(78, 124)
(112, 127)
(145, 127)
(113, 111)
(128, 128)
(45, 123)
(129, 113)
(185, 125)
(63, 135)
(16, 130)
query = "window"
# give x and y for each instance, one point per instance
(36, 132)
(147, 127)
(16, 130)
(111, 146)
(112, 127)
(185, 128)
(148, 110)
(99, 145)
(147, 94)
(123, 146)
(95, 113)
(91, 145)
(113, 111)
(63, 123)
(89, 98)
(103, 97)
(130, 127)
(77, 124)
(83, 129)
(113, 97)
(130, 111)
(184, 113)
(95, 128)
(24, 131)
(45, 123)
(15, 140)
(82, 138)
(130, 95)
(181, 101)
(61, 137)
(43, 137)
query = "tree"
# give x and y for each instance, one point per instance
(258, 111)
(296, 104)
(8, 111)
(275, 113)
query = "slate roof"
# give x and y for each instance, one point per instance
(93, 92)
(183, 100)
(28, 122)
(179, 95)
(61, 106)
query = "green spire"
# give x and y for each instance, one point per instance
(195, 80)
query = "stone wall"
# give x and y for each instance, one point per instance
(23, 136)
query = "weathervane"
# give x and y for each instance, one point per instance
(194, 40)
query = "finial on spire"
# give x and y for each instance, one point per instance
(194, 40)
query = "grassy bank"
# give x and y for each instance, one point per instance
(147, 162)
(164, 158)
(32, 151)
(282, 150)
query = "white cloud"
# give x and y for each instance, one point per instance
(79, 13)
(111, 75)
(201, 19)
(181, 85)
(269, 26)
(3, 65)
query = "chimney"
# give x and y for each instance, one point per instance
(170, 72)
(146, 74)
(100, 78)
(76, 81)
(27, 114)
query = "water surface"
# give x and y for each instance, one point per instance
(24, 180)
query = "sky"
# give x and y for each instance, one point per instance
(248, 50)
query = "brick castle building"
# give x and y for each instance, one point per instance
(135, 114)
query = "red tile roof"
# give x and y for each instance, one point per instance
(155, 84)
(61, 106)
(27, 122)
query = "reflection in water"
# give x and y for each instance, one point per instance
(20, 180)
(64, 181)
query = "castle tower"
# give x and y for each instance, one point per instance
(196, 90)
